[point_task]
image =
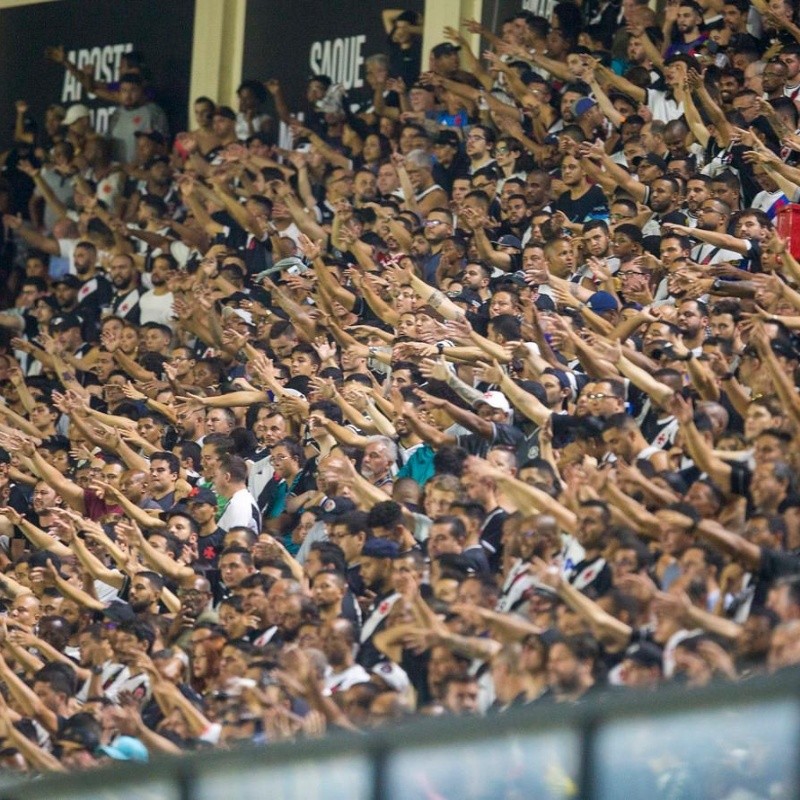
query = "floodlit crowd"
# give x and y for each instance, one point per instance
(470, 391)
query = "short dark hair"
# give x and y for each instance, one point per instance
(235, 466)
(386, 514)
(170, 458)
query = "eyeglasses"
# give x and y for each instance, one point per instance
(475, 138)
(501, 151)
(628, 272)
(597, 396)
(430, 223)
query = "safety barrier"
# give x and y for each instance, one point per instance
(721, 741)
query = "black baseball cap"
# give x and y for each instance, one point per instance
(447, 138)
(445, 49)
(66, 322)
(154, 136)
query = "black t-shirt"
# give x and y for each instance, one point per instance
(591, 205)
(741, 475)
(592, 576)
(773, 564)
(502, 434)
(492, 537)
(209, 547)
(405, 64)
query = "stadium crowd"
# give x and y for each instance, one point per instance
(477, 391)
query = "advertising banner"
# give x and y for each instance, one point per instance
(95, 32)
(294, 39)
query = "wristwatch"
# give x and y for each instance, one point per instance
(440, 348)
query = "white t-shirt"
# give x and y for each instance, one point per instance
(662, 107)
(156, 308)
(241, 512)
(342, 681)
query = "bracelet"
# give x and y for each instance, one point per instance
(727, 376)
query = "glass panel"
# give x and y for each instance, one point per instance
(712, 753)
(346, 778)
(544, 766)
(150, 790)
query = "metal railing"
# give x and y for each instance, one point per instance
(677, 742)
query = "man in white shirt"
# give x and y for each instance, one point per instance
(230, 482)
(156, 304)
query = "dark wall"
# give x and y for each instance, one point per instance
(98, 31)
(294, 39)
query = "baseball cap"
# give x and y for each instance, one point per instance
(513, 278)
(119, 611)
(245, 316)
(74, 113)
(200, 495)
(602, 301)
(444, 49)
(73, 281)
(582, 105)
(334, 507)
(225, 111)
(496, 400)
(153, 136)
(470, 298)
(125, 748)
(509, 241)
(380, 548)
(645, 654)
(393, 675)
(447, 138)
(66, 322)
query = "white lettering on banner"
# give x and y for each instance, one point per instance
(104, 60)
(339, 59)
(100, 118)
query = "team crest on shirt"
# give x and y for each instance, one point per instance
(87, 289)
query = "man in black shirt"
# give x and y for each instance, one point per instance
(581, 201)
